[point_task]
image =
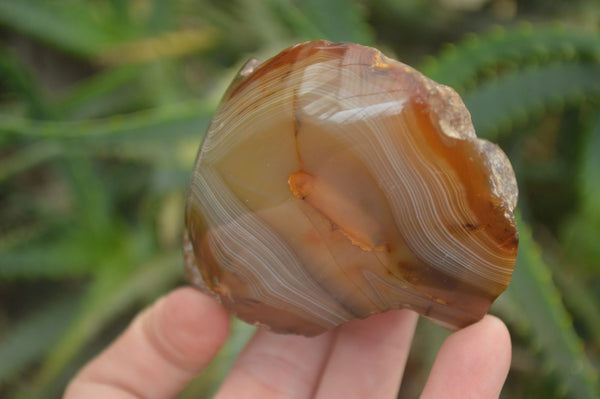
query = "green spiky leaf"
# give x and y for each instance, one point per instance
(535, 296)
(466, 61)
(501, 102)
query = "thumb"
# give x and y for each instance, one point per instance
(160, 352)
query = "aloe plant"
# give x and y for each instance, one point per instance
(93, 174)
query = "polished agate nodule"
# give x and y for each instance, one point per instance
(334, 183)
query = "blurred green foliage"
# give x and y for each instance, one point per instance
(103, 104)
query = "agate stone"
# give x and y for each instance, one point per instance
(335, 183)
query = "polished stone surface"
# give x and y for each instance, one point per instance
(334, 183)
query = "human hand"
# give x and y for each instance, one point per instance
(176, 338)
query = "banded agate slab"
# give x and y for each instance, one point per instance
(335, 183)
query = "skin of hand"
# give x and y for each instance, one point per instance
(172, 341)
